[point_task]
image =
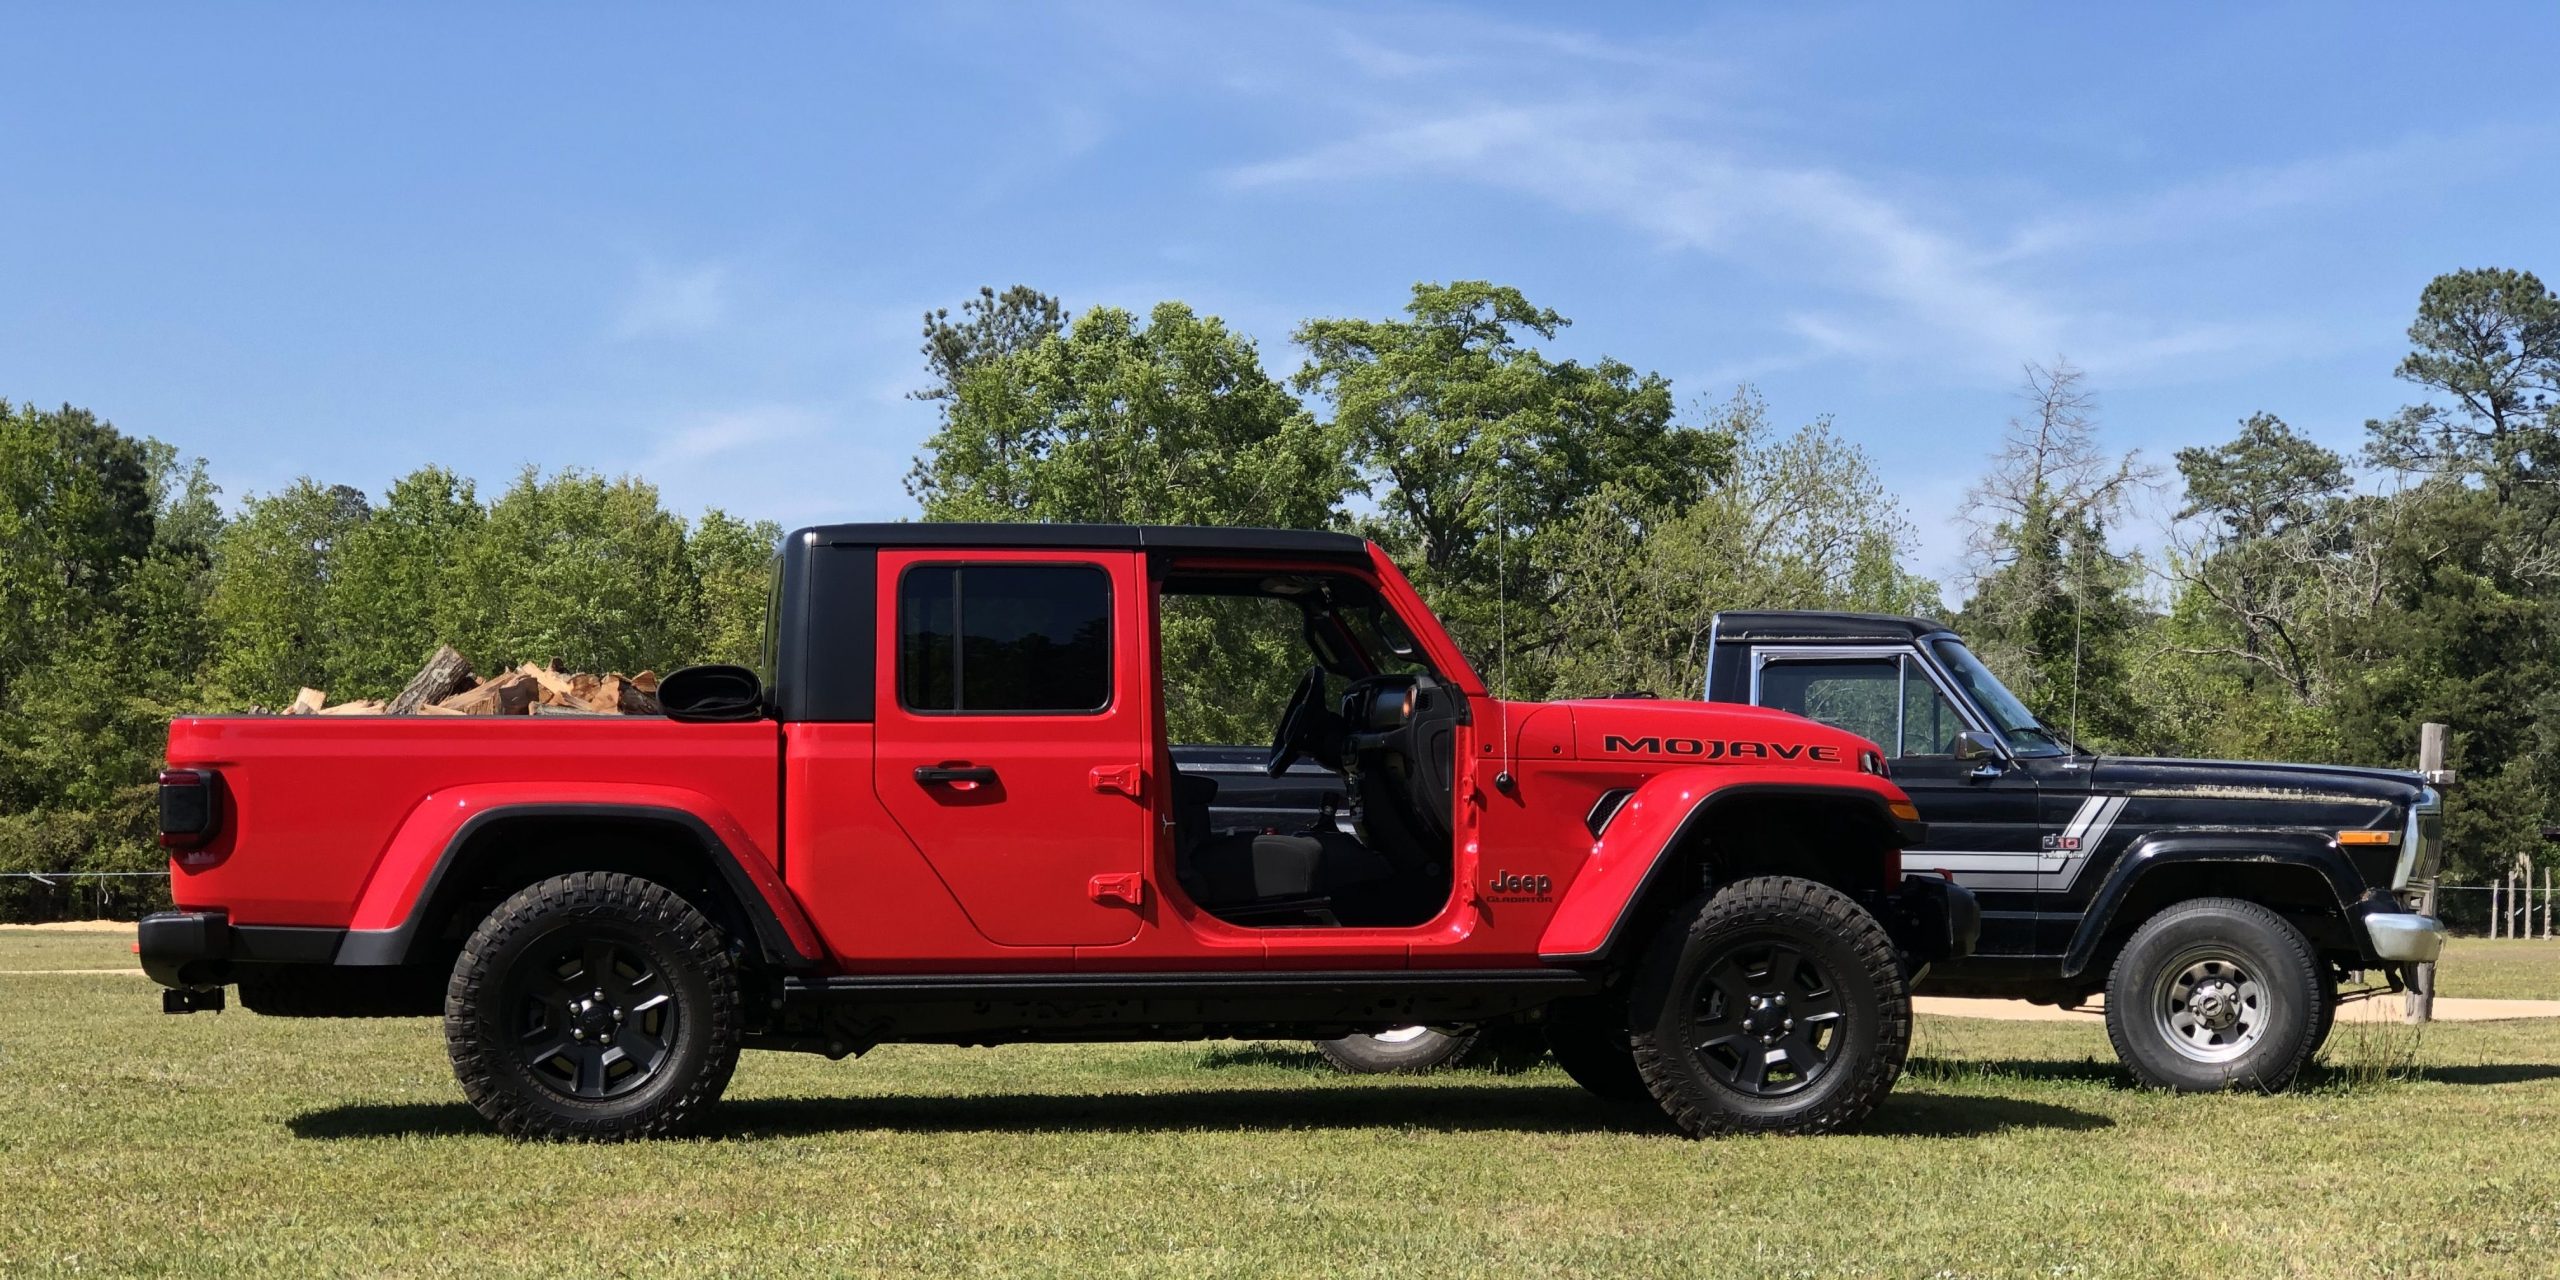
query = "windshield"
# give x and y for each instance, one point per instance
(2025, 735)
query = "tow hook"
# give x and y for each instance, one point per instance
(175, 1000)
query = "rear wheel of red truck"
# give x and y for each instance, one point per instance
(593, 1007)
(1773, 1005)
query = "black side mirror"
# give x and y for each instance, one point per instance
(1974, 744)
(713, 692)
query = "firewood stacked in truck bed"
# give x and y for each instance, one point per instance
(447, 687)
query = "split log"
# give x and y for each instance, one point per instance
(437, 709)
(636, 701)
(359, 707)
(307, 702)
(646, 682)
(552, 688)
(446, 674)
(508, 695)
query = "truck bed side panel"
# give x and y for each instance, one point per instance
(314, 804)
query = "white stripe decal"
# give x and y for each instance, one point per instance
(2090, 825)
(2054, 870)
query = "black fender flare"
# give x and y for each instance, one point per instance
(2315, 852)
(401, 944)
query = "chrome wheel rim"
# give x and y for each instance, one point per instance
(2210, 1006)
(1402, 1035)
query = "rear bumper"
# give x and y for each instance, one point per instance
(1931, 918)
(2404, 937)
(190, 950)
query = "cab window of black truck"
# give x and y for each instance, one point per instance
(1004, 639)
(2018, 726)
(1889, 701)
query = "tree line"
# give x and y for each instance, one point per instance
(1574, 522)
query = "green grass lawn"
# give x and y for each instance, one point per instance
(2503, 968)
(136, 1143)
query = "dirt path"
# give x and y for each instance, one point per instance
(2385, 1008)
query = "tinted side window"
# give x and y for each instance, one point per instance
(1004, 639)
(1861, 695)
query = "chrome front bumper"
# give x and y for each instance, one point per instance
(2404, 937)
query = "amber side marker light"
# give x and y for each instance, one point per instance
(1905, 811)
(2368, 837)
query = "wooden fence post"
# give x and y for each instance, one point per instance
(2420, 1000)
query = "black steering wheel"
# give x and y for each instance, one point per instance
(1301, 724)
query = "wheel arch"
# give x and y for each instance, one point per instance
(2298, 875)
(1685, 829)
(502, 845)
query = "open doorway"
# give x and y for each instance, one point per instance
(1344, 818)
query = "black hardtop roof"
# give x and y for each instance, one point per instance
(1811, 624)
(1119, 537)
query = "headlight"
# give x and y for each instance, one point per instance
(2421, 842)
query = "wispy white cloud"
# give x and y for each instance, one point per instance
(1888, 270)
(673, 301)
(719, 436)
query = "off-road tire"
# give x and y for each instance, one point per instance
(2280, 991)
(1427, 1049)
(2327, 1019)
(1588, 1036)
(648, 931)
(1698, 1024)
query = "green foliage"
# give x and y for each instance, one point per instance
(1173, 422)
(990, 325)
(394, 588)
(1801, 522)
(2054, 609)
(104, 569)
(1481, 454)
(2489, 340)
(272, 569)
(76, 516)
(733, 561)
(584, 570)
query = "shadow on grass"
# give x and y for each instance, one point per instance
(1297, 1057)
(1447, 1108)
(2491, 1073)
(2075, 1071)
(2346, 1077)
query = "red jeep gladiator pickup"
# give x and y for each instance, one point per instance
(946, 812)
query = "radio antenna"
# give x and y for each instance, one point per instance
(1504, 781)
(2076, 613)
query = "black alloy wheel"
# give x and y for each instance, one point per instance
(596, 1016)
(1765, 1019)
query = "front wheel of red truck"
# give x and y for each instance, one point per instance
(593, 1007)
(1773, 1005)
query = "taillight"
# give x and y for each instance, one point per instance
(190, 808)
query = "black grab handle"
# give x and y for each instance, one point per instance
(930, 774)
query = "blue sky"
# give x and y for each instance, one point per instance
(348, 241)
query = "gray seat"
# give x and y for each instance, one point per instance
(1245, 869)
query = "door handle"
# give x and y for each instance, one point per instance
(946, 775)
(1986, 772)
